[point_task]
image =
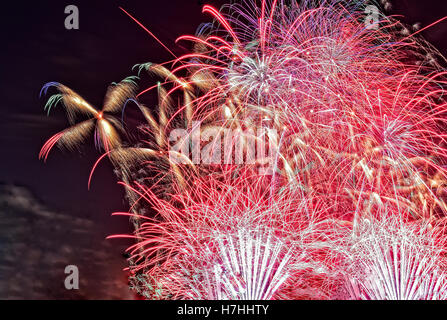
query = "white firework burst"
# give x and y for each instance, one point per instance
(244, 265)
(394, 260)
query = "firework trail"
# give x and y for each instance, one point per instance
(357, 169)
(230, 239)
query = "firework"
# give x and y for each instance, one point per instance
(352, 118)
(230, 240)
(105, 126)
(394, 260)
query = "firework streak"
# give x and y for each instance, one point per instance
(298, 152)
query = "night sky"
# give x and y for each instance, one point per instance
(48, 218)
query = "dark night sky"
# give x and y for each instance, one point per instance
(37, 49)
